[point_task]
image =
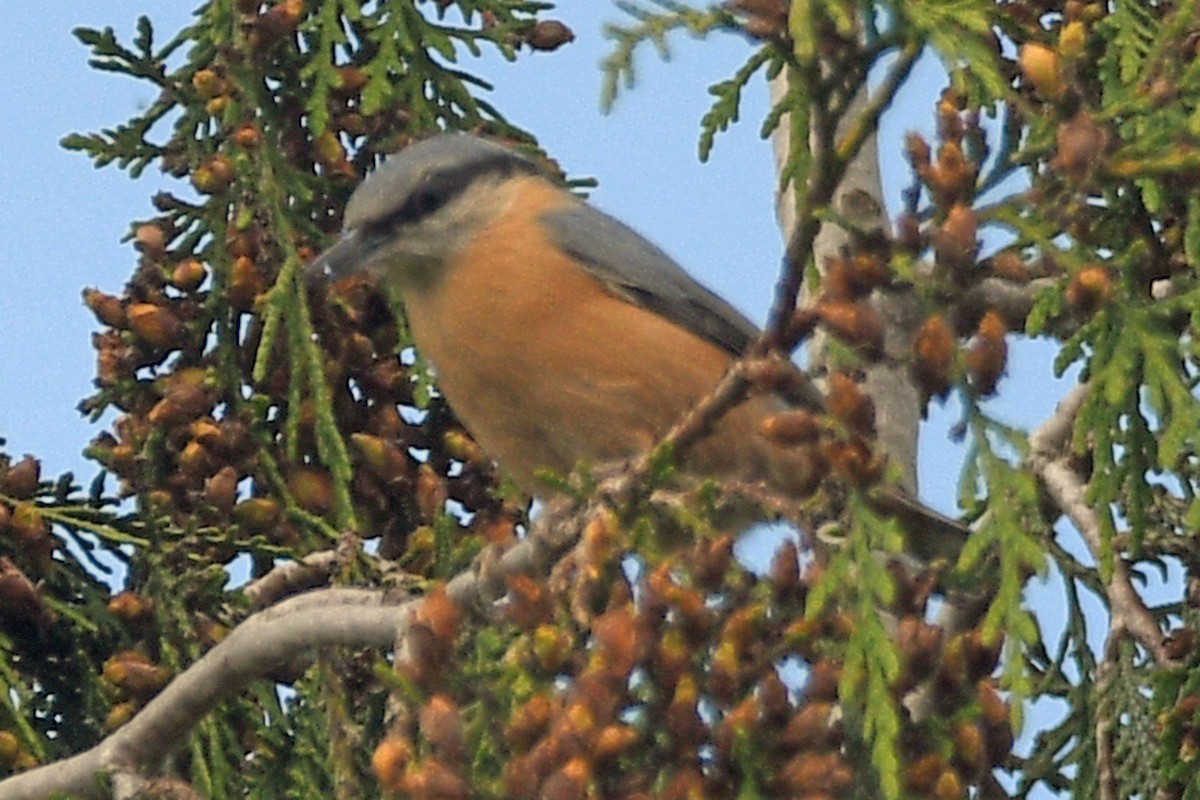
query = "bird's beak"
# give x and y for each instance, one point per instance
(348, 255)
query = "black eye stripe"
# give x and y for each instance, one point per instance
(441, 187)
(426, 200)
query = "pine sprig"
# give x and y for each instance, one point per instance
(726, 107)
(652, 27)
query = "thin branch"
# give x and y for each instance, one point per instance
(1128, 608)
(1106, 774)
(552, 534)
(314, 570)
(817, 194)
(1052, 436)
(1013, 301)
(866, 121)
(831, 159)
(705, 413)
(289, 578)
(1065, 486)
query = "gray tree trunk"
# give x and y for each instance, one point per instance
(860, 198)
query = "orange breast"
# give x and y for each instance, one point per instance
(547, 369)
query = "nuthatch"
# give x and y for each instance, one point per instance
(558, 334)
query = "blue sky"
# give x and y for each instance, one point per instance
(61, 221)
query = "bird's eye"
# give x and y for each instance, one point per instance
(425, 201)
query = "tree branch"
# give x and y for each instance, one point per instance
(1106, 775)
(289, 578)
(1012, 300)
(316, 619)
(1052, 436)
(1064, 485)
(705, 413)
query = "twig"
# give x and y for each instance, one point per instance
(698, 420)
(1064, 485)
(866, 122)
(831, 160)
(1054, 434)
(552, 534)
(294, 576)
(1106, 775)
(1013, 301)
(1126, 606)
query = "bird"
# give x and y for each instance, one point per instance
(558, 335)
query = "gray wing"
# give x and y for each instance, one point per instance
(644, 275)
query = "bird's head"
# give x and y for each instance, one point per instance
(423, 204)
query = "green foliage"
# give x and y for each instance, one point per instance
(1012, 533)
(960, 32)
(728, 94)
(857, 576)
(126, 144)
(1115, 218)
(651, 26)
